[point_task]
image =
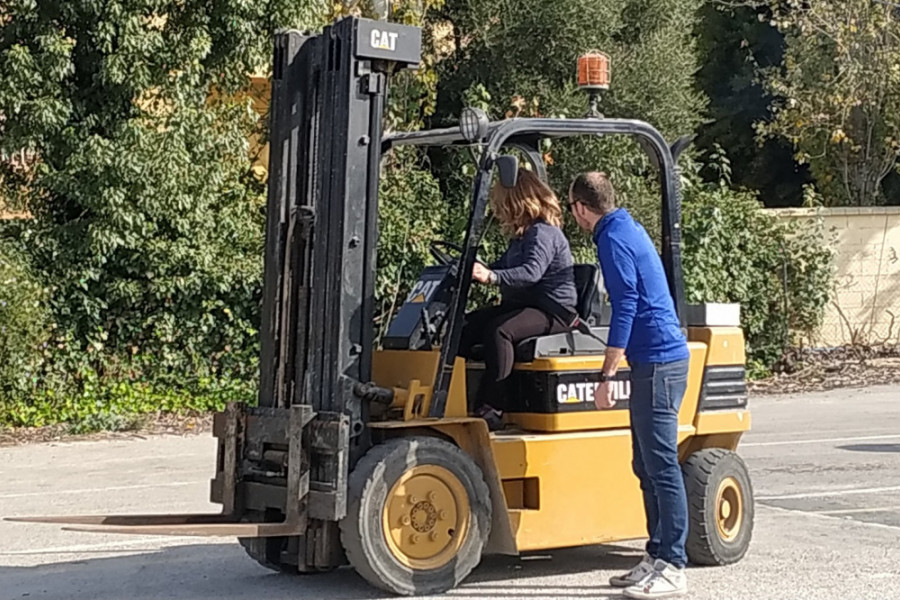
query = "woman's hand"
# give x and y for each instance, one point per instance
(481, 274)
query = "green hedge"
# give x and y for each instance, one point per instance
(24, 321)
(779, 271)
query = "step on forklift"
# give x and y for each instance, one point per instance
(369, 456)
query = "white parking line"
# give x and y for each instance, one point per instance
(821, 441)
(851, 511)
(163, 458)
(100, 490)
(93, 547)
(835, 517)
(829, 493)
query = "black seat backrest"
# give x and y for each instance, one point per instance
(588, 285)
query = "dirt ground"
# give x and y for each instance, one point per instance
(151, 424)
(821, 370)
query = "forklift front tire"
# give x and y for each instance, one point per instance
(418, 516)
(720, 507)
(263, 550)
(267, 551)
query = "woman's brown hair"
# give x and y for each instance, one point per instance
(520, 206)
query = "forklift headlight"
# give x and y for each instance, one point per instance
(473, 124)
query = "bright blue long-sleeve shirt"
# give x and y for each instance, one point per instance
(644, 321)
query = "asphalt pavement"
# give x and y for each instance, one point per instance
(825, 468)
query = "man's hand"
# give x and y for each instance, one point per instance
(603, 396)
(603, 399)
(480, 273)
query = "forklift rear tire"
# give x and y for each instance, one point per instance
(720, 507)
(418, 516)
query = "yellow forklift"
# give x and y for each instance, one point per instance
(369, 456)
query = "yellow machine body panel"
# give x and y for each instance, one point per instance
(569, 489)
(592, 419)
(411, 374)
(725, 345)
(565, 478)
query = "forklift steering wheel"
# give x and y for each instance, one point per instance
(443, 257)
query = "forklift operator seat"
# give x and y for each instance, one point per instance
(590, 306)
(588, 284)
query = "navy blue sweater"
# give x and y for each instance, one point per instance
(537, 265)
(644, 321)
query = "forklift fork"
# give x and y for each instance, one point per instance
(258, 447)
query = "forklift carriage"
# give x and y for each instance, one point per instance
(369, 456)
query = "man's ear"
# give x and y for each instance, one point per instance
(579, 209)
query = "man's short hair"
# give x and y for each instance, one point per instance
(595, 191)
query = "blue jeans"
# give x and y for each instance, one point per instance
(656, 394)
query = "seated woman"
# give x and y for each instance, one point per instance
(535, 276)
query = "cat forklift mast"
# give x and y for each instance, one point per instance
(368, 456)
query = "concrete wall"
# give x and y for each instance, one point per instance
(865, 304)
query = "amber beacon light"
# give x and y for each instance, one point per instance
(593, 78)
(593, 71)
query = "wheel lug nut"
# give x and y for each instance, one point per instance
(432, 496)
(413, 499)
(432, 536)
(405, 520)
(415, 538)
(442, 515)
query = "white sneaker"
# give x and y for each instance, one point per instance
(638, 573)
(666, 581)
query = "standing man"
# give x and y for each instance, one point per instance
(644, 329)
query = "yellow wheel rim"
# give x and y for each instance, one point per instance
(426, 517)
(729, 509)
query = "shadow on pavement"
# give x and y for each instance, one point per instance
(882, 448)
(224, 572)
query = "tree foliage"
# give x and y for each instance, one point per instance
(839, 90)
(494, 57)
(147, 219)
(734, 252)
(519, 57)
(124, 132)
(734, 42)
